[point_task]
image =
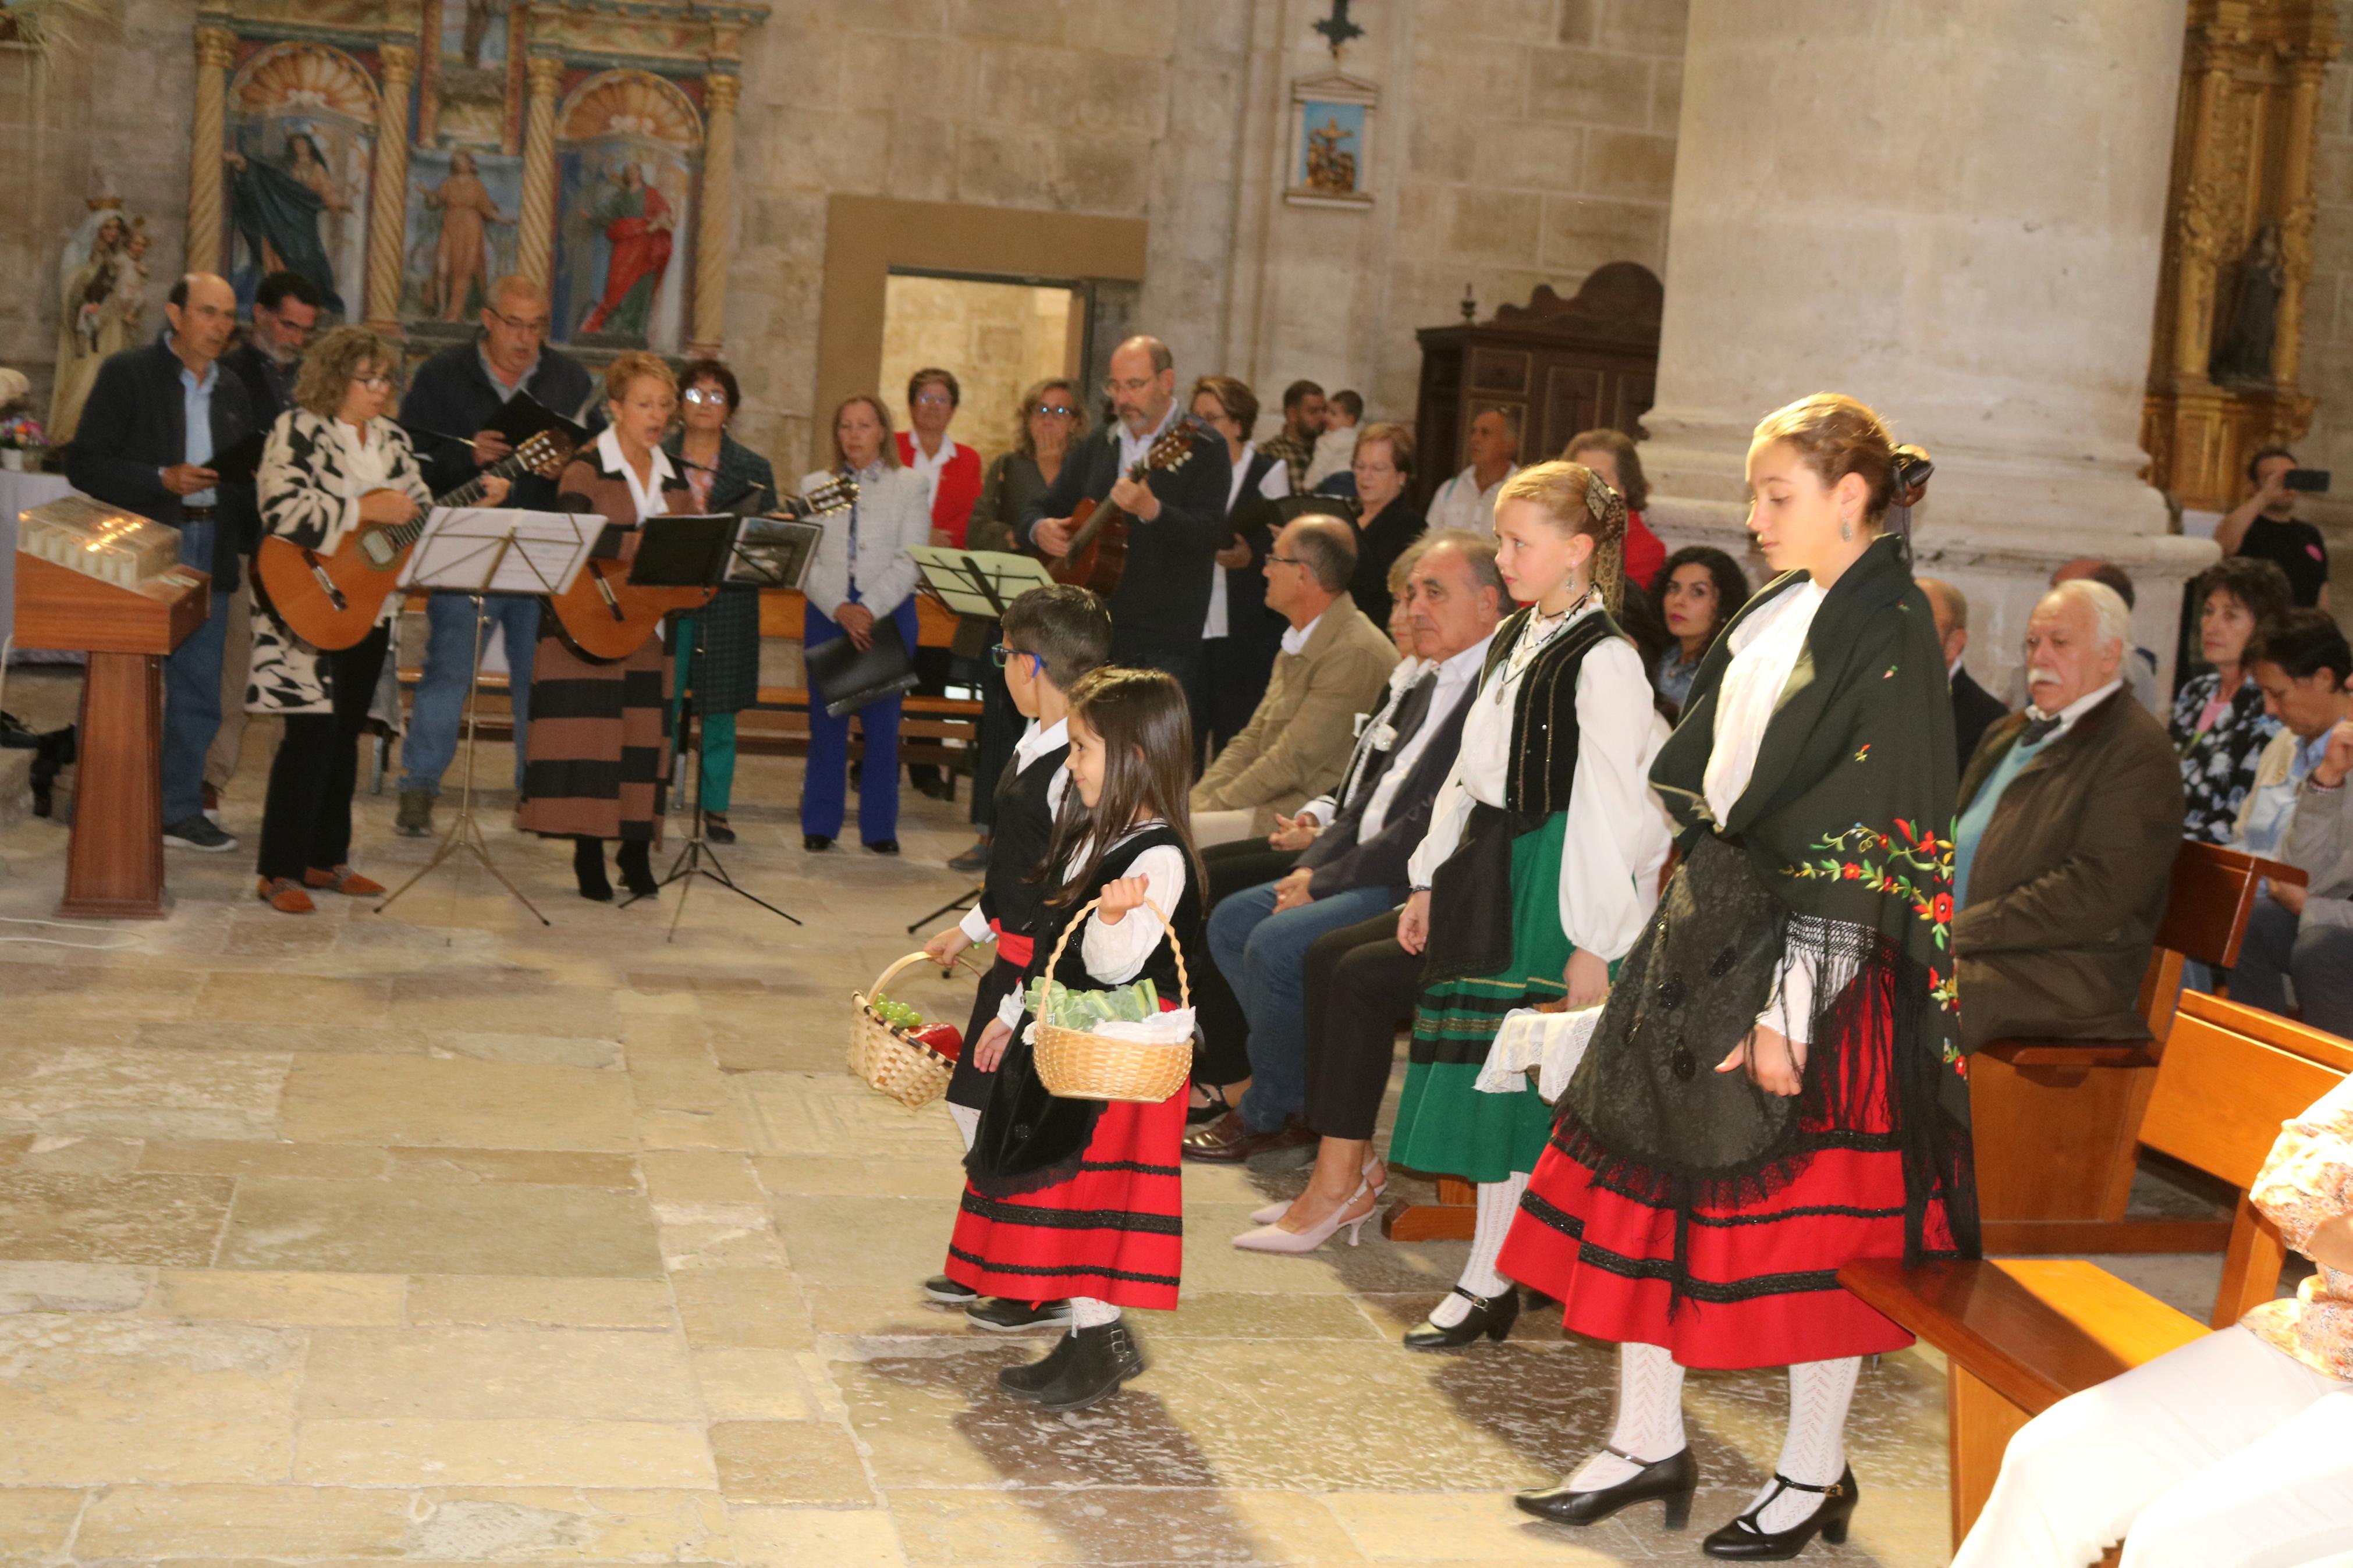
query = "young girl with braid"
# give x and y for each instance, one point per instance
(1773, 1089)
(1541, 863)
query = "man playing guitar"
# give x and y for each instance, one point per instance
(1178, 514)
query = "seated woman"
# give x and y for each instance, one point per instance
(2219, 724)
(722, 475)
(334, 464)
(599, 747)
(2237, 1448)
(1698, 590)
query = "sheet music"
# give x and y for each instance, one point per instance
(489, 549)
(949, 574)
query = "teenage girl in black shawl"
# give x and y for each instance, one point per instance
(1775, 1085)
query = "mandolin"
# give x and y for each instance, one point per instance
(602, 616)
(1097, 557)
(332, 601)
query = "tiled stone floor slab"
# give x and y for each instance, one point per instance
(424, 1228)
(468, 1104)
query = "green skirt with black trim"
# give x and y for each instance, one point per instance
(1444, 1123)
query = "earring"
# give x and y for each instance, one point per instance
(1846, 529)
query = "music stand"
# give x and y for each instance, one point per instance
(479, 550)
(693, 552)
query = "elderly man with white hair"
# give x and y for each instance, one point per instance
(2064, 847)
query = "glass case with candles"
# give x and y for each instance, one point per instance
(99, 540)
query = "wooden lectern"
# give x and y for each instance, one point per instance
(114, 869)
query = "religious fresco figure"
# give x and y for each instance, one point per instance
(637, 224)
(461, 255)
(278, 211)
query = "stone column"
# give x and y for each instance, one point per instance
(428, 72)
(718, 217)
(388, 196)
(216, 49)
(535, 244)
(2296, 149)
(1883, 222)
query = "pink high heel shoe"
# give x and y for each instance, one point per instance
(1270, 1237)
(1273, 1212)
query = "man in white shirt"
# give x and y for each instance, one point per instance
(1468, 499)
(1355, 868)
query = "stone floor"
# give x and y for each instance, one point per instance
(442, 1236)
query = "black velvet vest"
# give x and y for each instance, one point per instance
(1544, 712)
(1017, 849)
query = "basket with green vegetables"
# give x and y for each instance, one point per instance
(1071, 1009)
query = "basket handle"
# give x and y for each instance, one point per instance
(888, 976)
(1054, 960)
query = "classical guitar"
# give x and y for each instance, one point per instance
(603, 615)
(332, 601)
(1097, 557)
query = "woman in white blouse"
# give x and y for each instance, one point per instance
(862, 579)
(1771, 1089)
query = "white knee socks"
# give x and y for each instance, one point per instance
(1087, 1312)
(967, 1122)
(1649, 1417)
(1498, 1201)
(1814, 1452)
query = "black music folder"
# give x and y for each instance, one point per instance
(524, 416)
(846, 680)
(237, 462)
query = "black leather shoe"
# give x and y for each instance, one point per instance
(1225, 1141)
(1100, 1359)
(816, 841)
(715, 828)
(1742, 1540)
(634, 860)
(948, 1293)
(1004, 1315)
(1493, 1317)
(885, 847)
(1029, 1380)
(972, 862)
(1671, 1480)
(588, 869)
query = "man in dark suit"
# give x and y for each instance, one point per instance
(1179, 512)
(457, 393)
(155, 417)
(1974, 708)
(2070, 817)
(1354, 871)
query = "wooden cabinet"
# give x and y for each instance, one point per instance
(1553, 366)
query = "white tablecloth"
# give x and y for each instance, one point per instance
(20, 492)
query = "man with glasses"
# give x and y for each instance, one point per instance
(1179, 516)
(448, 411)
(155, 417)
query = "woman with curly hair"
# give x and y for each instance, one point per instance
(1698, 591)
(2218, 724)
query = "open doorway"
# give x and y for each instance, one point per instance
(996, 336)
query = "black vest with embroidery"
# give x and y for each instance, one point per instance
(1544, 711)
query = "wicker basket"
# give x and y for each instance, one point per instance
(887, 1059)
(1077, 1065)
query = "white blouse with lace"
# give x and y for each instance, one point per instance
(1116, 954)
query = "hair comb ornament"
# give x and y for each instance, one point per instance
(1909, 471)
(1596, 494)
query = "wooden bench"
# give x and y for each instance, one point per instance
(2021, 1335)
(2057, 1121)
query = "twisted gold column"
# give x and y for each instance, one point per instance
(388, 200)
(215, 48)
(535, 246)
(720, 93)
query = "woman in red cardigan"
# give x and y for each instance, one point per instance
(950, 469)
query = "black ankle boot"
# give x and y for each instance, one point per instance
(1492, 1316)
(1743, 1539)
(1029, 1381)
(1672, 1479)
(588, 865)
(1100, 1359)
(635, 862)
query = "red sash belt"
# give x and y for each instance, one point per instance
(1014, 950)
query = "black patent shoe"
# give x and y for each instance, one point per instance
(948, 1292)
(715, 828)
(1100, 1359)
(1741, 1539)
(814, 842)
(1029, 1381)
(1671, 1480)
(1492, 1316)
(1004, 1315)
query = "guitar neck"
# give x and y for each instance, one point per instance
(405, 534)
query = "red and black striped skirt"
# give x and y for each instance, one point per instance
(1114, 1231)
(599, 743)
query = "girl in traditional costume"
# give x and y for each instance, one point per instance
(1541, 863)
(1774, 1087)
(1078, 1198)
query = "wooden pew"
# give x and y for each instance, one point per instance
(2019, 1335)
(2057, 1121)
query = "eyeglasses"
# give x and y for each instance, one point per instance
(536, 325)
(1135, 388)
(379, 382)
(1004, 655)
(1064, 409)
(934, 400)
(700, 395)
(1285, 559)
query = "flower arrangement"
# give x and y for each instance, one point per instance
(22, 432)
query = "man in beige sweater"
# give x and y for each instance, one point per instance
(1334, 666)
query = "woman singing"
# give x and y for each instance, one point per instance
(722, 475)
(1772, 1088)
(599, 746)
(863, 570)
(333, 464)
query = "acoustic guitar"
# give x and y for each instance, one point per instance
(602, 616)
(1097, 558)
(332, 601)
